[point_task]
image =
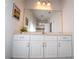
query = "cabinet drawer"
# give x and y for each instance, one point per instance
(65, 37)
(20, 49)
(36, 37)
(21, 37)
(51, 37)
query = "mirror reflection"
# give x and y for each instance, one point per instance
(42, 20)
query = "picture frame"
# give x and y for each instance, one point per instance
(16, 11)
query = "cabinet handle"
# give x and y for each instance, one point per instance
(44, 44)
(59, 45)
(28, 44)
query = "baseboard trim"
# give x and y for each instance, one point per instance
(47, 58)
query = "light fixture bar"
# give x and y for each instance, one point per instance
(43, 2)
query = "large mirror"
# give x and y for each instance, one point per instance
(43, 20)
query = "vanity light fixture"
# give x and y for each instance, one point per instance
(38, 2)
(48, 4)
(44, 2)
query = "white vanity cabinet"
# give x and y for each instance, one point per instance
(36, 46)
(50, 46)
(42, 46)
(65, 46)
(20, 46)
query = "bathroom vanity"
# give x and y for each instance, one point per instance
(37, 45)
(45, 37)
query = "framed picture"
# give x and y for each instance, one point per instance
(16, 11)
(26, 21)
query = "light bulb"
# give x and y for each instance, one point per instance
(48, 4)
(43, 3)
(38, 3)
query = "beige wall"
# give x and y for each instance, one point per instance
(68, 15)
(20, 22)
(12, 25)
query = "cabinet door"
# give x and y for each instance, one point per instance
(51, 47)
(64, 49)
(36, 49)
(20, 49)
